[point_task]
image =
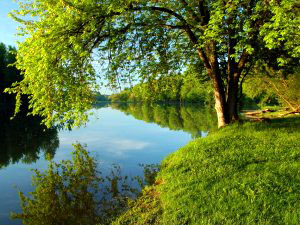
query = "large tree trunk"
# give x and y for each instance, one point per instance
(226, 102)
(220, 101)
(232, 99)
(214, 73)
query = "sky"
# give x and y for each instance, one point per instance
(8, 27)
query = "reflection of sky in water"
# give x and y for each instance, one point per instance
(112, 138)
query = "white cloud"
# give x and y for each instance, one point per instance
(115, 146)
(129, 144)
(120, 148)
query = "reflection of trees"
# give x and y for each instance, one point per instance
(193, 119)
(23, 138)
(99, 105)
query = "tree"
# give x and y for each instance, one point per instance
(8, 75)
(286, 88)
(150, 38)
(283, 85)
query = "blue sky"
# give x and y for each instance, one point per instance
(8, 27)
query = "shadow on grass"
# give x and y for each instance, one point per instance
(290, 123)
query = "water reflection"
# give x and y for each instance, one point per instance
(23, 139)
(194, 119)
(111, 137)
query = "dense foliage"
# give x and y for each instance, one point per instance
(242, 174)
(8, 75)
(148, 40)
(275, 86)
(23, 138)
(168, 89)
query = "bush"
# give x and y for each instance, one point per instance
(268, 86)
(288, 91)
(256, 92)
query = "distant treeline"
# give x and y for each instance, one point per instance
(102, 98)
(8, 75)
(188, 88)
(257, 93)
(175, 88)
(191, 118)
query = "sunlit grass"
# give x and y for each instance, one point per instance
(242, 174)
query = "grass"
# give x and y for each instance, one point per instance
(146, 210)
(242, 174)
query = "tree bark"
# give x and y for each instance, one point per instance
(226, 102)
(232, 99)
(220, 101)
(218, 85)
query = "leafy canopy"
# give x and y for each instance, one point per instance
(137, 37)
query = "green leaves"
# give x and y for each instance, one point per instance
(284, 27)
(56, 63)
(74, 192)
(137, 38)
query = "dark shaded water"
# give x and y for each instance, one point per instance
(126, 134)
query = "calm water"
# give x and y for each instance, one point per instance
(124, 134)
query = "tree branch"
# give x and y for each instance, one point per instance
(242, 62)
(185, 27)
(172, 26)
(161, 9)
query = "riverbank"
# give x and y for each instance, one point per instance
(242, 174)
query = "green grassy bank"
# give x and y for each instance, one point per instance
(242, 174)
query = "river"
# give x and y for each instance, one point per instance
(123, 134)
